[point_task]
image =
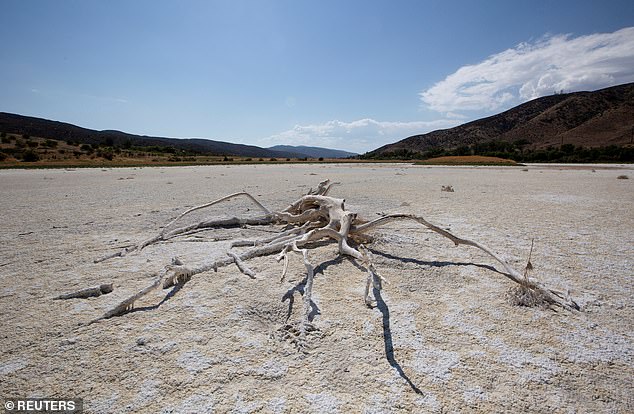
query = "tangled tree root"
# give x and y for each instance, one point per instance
(315, 217)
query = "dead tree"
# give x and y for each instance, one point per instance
(313, 218)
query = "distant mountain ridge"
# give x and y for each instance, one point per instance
(589, 119)
(314, 152)
(44, 128)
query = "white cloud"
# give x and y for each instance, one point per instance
(356, 136)
(528, 71)
(531, 70)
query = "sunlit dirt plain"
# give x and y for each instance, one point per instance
(442, 338)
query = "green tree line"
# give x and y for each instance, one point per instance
(519, 151)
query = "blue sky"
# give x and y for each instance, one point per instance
(351, 75)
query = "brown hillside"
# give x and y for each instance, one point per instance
(48, 129)
(589, 119)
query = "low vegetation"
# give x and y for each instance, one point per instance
(22, 151)
(468, 160)
(518, 151)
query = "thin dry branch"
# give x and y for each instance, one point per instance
(553, 297)
(164, 235)
(102, 289)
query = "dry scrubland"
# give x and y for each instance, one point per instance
(443, 327)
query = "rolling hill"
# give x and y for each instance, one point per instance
(588, 119)
(43, 128)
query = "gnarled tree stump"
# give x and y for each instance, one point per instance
(314, 217)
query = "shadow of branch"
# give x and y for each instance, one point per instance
(290, 296)
(387, 339)
(387, 333)
(177, 287)
(433, 263)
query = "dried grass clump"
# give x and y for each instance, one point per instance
(622, 177)
(523, 295)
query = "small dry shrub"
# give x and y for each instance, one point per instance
(622, 177)
(522, 295)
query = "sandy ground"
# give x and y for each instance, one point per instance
(443, 338)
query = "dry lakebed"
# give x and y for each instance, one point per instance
(443, 336)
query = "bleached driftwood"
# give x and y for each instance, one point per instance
(103, 289)
(315, 217)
